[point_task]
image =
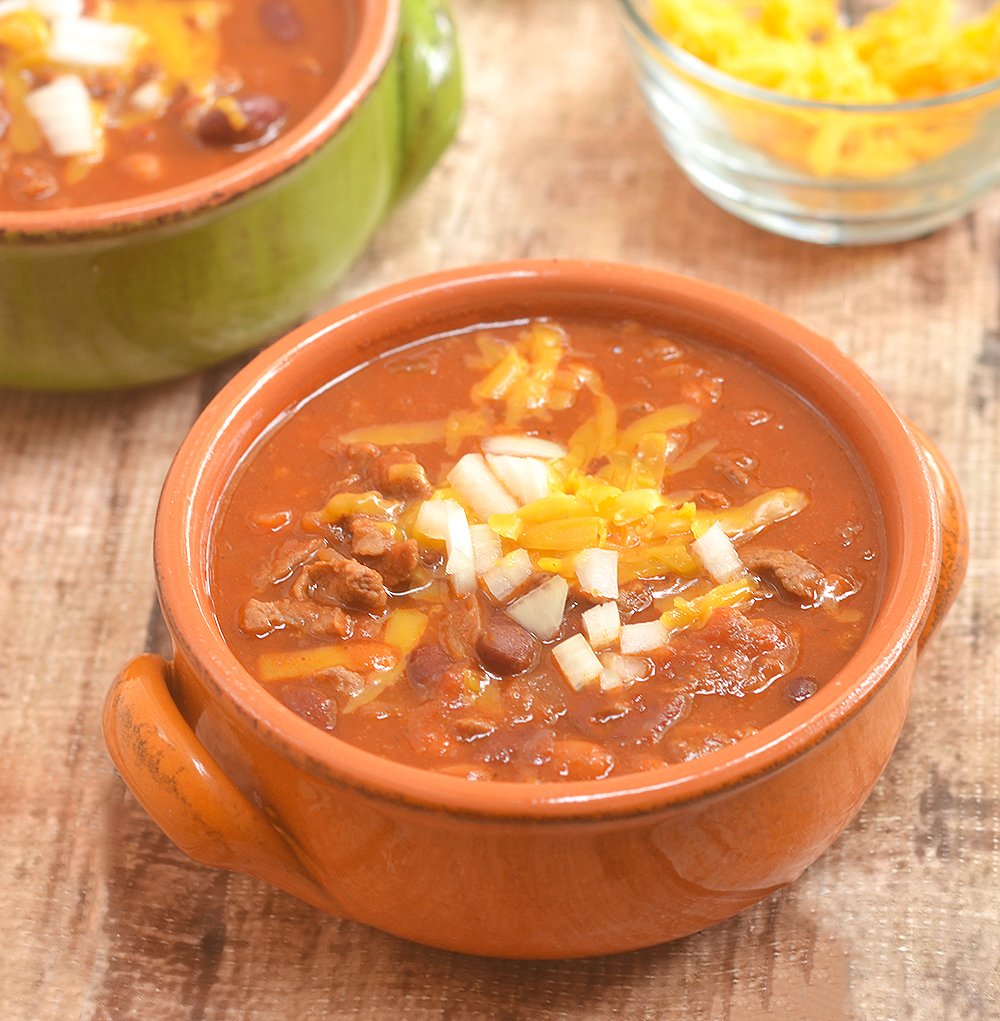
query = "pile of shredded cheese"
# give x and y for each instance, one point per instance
(908, 50)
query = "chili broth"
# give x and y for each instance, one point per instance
(420, 658)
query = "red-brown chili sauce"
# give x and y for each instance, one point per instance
(306, 601)
(197, 85)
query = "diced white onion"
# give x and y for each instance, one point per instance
(457, 535)
(486, 549)
(462, 572)
(643, 637)
(526, 478)
(10, 6)
(718, 554)
(508, 574)
(541, 610)
(445, 519)
(432, 518)
(577, 662)
(602, 623)
(92, 43)
(523, 446)
(597, 572)
(53, 9)
(50, 9)
(148, 97)
(480, 488)
(459, 566)
(64, 115)
(619, 671)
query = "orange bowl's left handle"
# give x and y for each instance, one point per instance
(180, 785)
(954, 533)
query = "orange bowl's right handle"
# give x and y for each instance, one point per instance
(954, 534)
(183, 788)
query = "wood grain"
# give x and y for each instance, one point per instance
(105, 920)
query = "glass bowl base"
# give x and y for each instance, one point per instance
(770, 209)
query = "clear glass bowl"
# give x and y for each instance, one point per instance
(786, 164)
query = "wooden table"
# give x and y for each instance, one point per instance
(104, 919)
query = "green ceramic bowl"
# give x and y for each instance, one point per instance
(137, 291)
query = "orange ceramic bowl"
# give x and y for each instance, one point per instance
(522, 870)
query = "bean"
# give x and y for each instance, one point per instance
(798, 689)
(426, 666)
(281, 21)
(312, 703)
(505, 648)
(255, 120)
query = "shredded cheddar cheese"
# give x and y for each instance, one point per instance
(609, 491)
(512, 502)
(909, 50)
(686, 613)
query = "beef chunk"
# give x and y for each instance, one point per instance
(311, 701)
(370, 537)
(362, 454)
(287, 559)
(347, 682)
(397, 473)
(394, 559)
(350, 464)
(460, 628)
(794, 573)
(634, 597)
(334, 580)
(505, 648)
(398, 563)
(393, 471)
(261, 618)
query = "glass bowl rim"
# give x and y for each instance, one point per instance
(719, 79)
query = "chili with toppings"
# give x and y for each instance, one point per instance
(553, 551)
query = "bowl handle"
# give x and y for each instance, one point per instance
(954, 533)
(181, 786)
(430, 85)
